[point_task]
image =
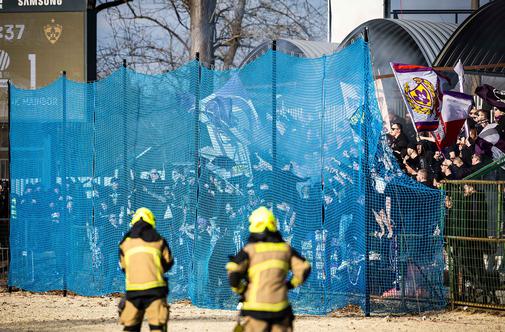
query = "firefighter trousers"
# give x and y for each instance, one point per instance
(257, 325)
(156, 312)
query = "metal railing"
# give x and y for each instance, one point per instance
(4, 170)
(455, 12)
(4, 251)
(475, 242)
(492, 171)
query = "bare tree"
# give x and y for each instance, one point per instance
(159, 35)
(203, 27)
(93, 8)
(232, 33)
(254, 21)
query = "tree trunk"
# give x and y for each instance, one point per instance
(202, 29)
(236, 33)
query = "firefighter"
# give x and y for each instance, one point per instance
(144, 258)
(258, 274)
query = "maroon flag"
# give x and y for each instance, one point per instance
(453, 114)
(491, 95)
(490, 142)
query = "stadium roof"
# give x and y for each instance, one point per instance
(403, 41)
(479, 40)
(302, 48)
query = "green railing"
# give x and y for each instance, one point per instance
(475, 242)
(495, 165)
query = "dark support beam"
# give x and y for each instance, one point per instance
(475, 4)
(432, 11)
(91, 31)
(91, 45)
(455, 12)
(387, 8)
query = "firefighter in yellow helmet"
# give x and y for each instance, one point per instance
(265, 262)
(144, 258)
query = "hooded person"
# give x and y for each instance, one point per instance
(144, 258)
(258, 274)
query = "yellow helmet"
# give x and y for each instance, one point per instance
(261, 219)
(145, 214)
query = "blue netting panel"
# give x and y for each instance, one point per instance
(235, 147)
(145, 156)
(296, 185)
(52, 146)
(202, 149)
(344, 180)
(405, 225)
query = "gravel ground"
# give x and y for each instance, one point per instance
(25, 311)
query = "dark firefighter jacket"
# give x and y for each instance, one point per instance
(144, 257)
(258, 272)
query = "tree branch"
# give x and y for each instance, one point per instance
(161, 25)
(106, 5)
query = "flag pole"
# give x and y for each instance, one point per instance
(460, 70)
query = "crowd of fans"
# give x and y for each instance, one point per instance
(226, 201)
(472, 209)
(420, 158)
(170, 194)
(98, 212)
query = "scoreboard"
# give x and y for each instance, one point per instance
(38, 40)
(41, 38)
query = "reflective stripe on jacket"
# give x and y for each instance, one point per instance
(144, 263)
(266, 265)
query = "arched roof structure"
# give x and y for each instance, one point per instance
(479, 40)
(401, 41)
(302, 48)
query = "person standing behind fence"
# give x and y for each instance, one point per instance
(265, 262)
(152, 194)
(144, 257)
(4, 201)
(398, 142)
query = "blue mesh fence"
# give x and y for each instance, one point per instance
(203, 148)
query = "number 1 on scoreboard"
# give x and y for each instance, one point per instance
(33, 70)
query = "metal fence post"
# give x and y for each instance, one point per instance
(125, 128)
(321, 151)
(9, 171)
(132, 174)
(64, 171)
(366, 172)
(94, 162)
(198, 76)
(499, 218)
(197, 126)
(274, 125)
